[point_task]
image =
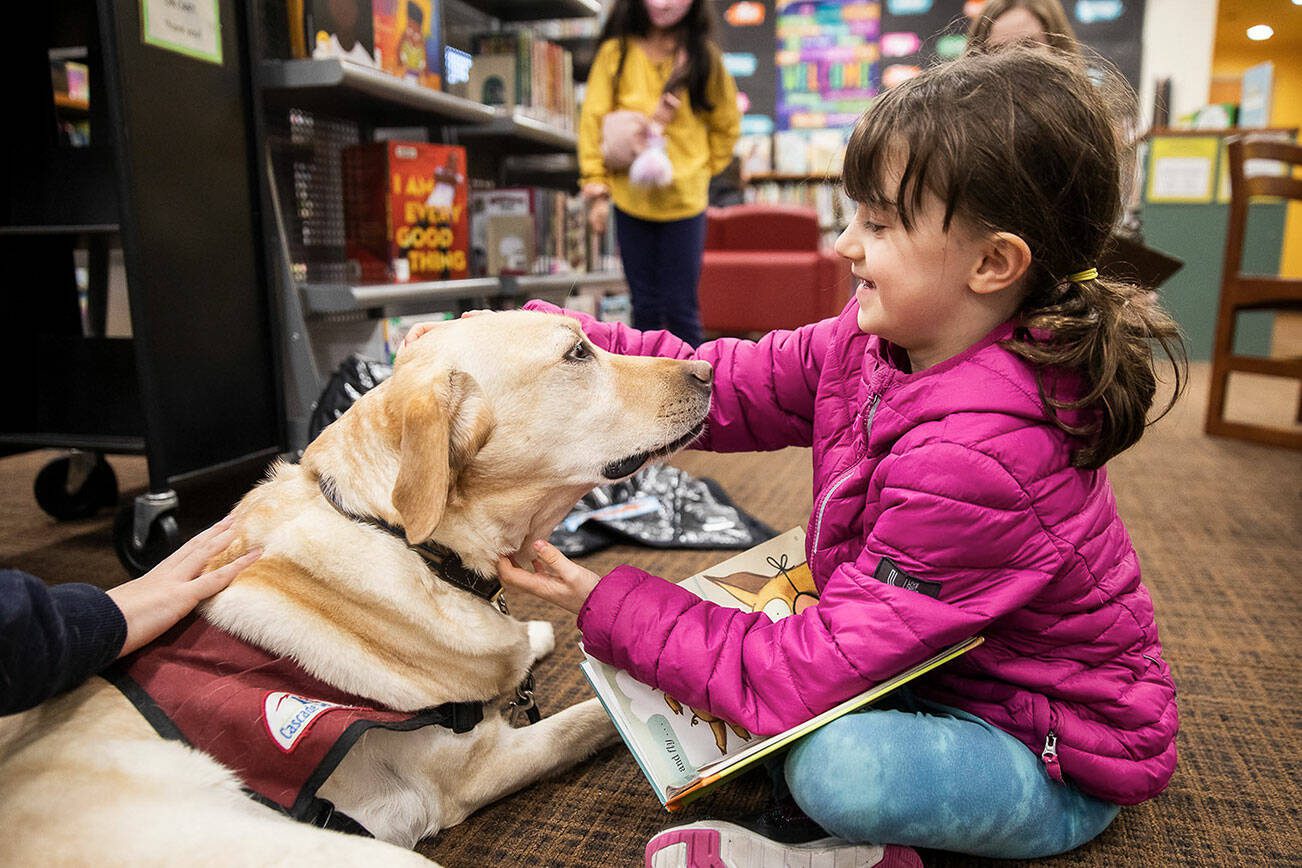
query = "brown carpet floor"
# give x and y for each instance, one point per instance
(1217, 524)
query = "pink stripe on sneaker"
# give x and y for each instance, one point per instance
(702, 847)
(895, 856)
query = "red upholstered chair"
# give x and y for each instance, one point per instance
(763, 270)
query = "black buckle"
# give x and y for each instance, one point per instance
(463, 716)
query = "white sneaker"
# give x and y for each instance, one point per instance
(718, 844)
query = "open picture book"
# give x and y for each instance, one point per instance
(685, 752)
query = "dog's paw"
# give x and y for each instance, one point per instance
(542, 638)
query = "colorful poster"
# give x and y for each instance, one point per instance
(827, 59)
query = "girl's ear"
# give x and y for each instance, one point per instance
(1004, 261)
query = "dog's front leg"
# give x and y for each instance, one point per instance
(542, 639)
(530, 753)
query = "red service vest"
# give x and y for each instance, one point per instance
(280, 729)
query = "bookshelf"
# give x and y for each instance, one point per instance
(306, 112)
(187, 378)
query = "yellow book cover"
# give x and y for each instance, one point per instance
(685, 752)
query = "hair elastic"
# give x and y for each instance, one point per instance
(1082, 276)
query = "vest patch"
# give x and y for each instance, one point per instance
(894, 576)
(288, 716)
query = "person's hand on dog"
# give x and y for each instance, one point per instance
(153, 603)
(555, 578)
(423, 328)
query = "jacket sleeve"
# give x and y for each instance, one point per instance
(52, 639)
(725, 118)
(763, 394)
(953, 519)
(598, 101)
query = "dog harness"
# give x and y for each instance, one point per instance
(282, 730)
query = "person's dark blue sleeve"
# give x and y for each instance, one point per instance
(52, 638)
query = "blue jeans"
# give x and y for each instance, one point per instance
(927, 775)
(662, 263)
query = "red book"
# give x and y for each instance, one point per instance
(405, 215)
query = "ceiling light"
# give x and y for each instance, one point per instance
(1260, 32)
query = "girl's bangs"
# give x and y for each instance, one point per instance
(893, 159)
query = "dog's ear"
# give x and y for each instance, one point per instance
(441, 427)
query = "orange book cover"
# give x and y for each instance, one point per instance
(405, 211)
(407, 40)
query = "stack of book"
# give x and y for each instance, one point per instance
(518, 71)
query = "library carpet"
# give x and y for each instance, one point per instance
(1217, 524)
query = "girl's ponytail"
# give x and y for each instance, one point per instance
(1104, 330)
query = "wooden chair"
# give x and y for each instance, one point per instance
(1240, 292)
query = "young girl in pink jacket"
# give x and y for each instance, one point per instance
(960, 411)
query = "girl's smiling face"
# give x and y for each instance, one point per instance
(912, 285)
(665, 14)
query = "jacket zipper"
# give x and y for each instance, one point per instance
(831, 489)
(1049, 756)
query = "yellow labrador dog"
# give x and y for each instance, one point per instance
(489, 430)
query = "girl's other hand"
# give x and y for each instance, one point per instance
(423, 328)
(599, 215)
(555, 578)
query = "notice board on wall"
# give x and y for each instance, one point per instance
(811, 64)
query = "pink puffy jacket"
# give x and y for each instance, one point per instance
(952, 479)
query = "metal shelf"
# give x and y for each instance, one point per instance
(536, 10)
(514, 131)
(544, 285)
(73, 229)
(118, 445)
(330, 298)
(327, 298)
(332, 85)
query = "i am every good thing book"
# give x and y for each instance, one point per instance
(685, 752)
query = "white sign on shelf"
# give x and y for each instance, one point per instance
(189, 27)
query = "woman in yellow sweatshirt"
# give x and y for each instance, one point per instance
(660, 55)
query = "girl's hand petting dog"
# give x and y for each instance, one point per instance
(555, 578)
(422, 328)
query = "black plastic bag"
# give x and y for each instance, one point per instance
(662, 507)
(355, 377)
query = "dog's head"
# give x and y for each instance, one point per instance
(506, 418)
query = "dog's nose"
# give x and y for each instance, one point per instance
(701, 372)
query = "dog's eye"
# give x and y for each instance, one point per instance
(579, 352)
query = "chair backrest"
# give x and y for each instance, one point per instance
(1244, 187)
(762, 227)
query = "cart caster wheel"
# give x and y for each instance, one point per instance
(164, 538)
(76, 486)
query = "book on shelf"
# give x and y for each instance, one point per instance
(408, 44)
(492, 80)
(400, 37)
(510, 244)
(405, 211)
(683, 759)
(338, 29)
(517, 70)
(558, 243)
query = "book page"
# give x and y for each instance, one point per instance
(672, 741)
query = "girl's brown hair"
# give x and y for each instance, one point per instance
(1020, 140)
(1053, 20)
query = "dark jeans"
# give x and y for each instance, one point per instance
(662, 263)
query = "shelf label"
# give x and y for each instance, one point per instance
(189, 27)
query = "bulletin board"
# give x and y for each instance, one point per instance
(810, 64)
